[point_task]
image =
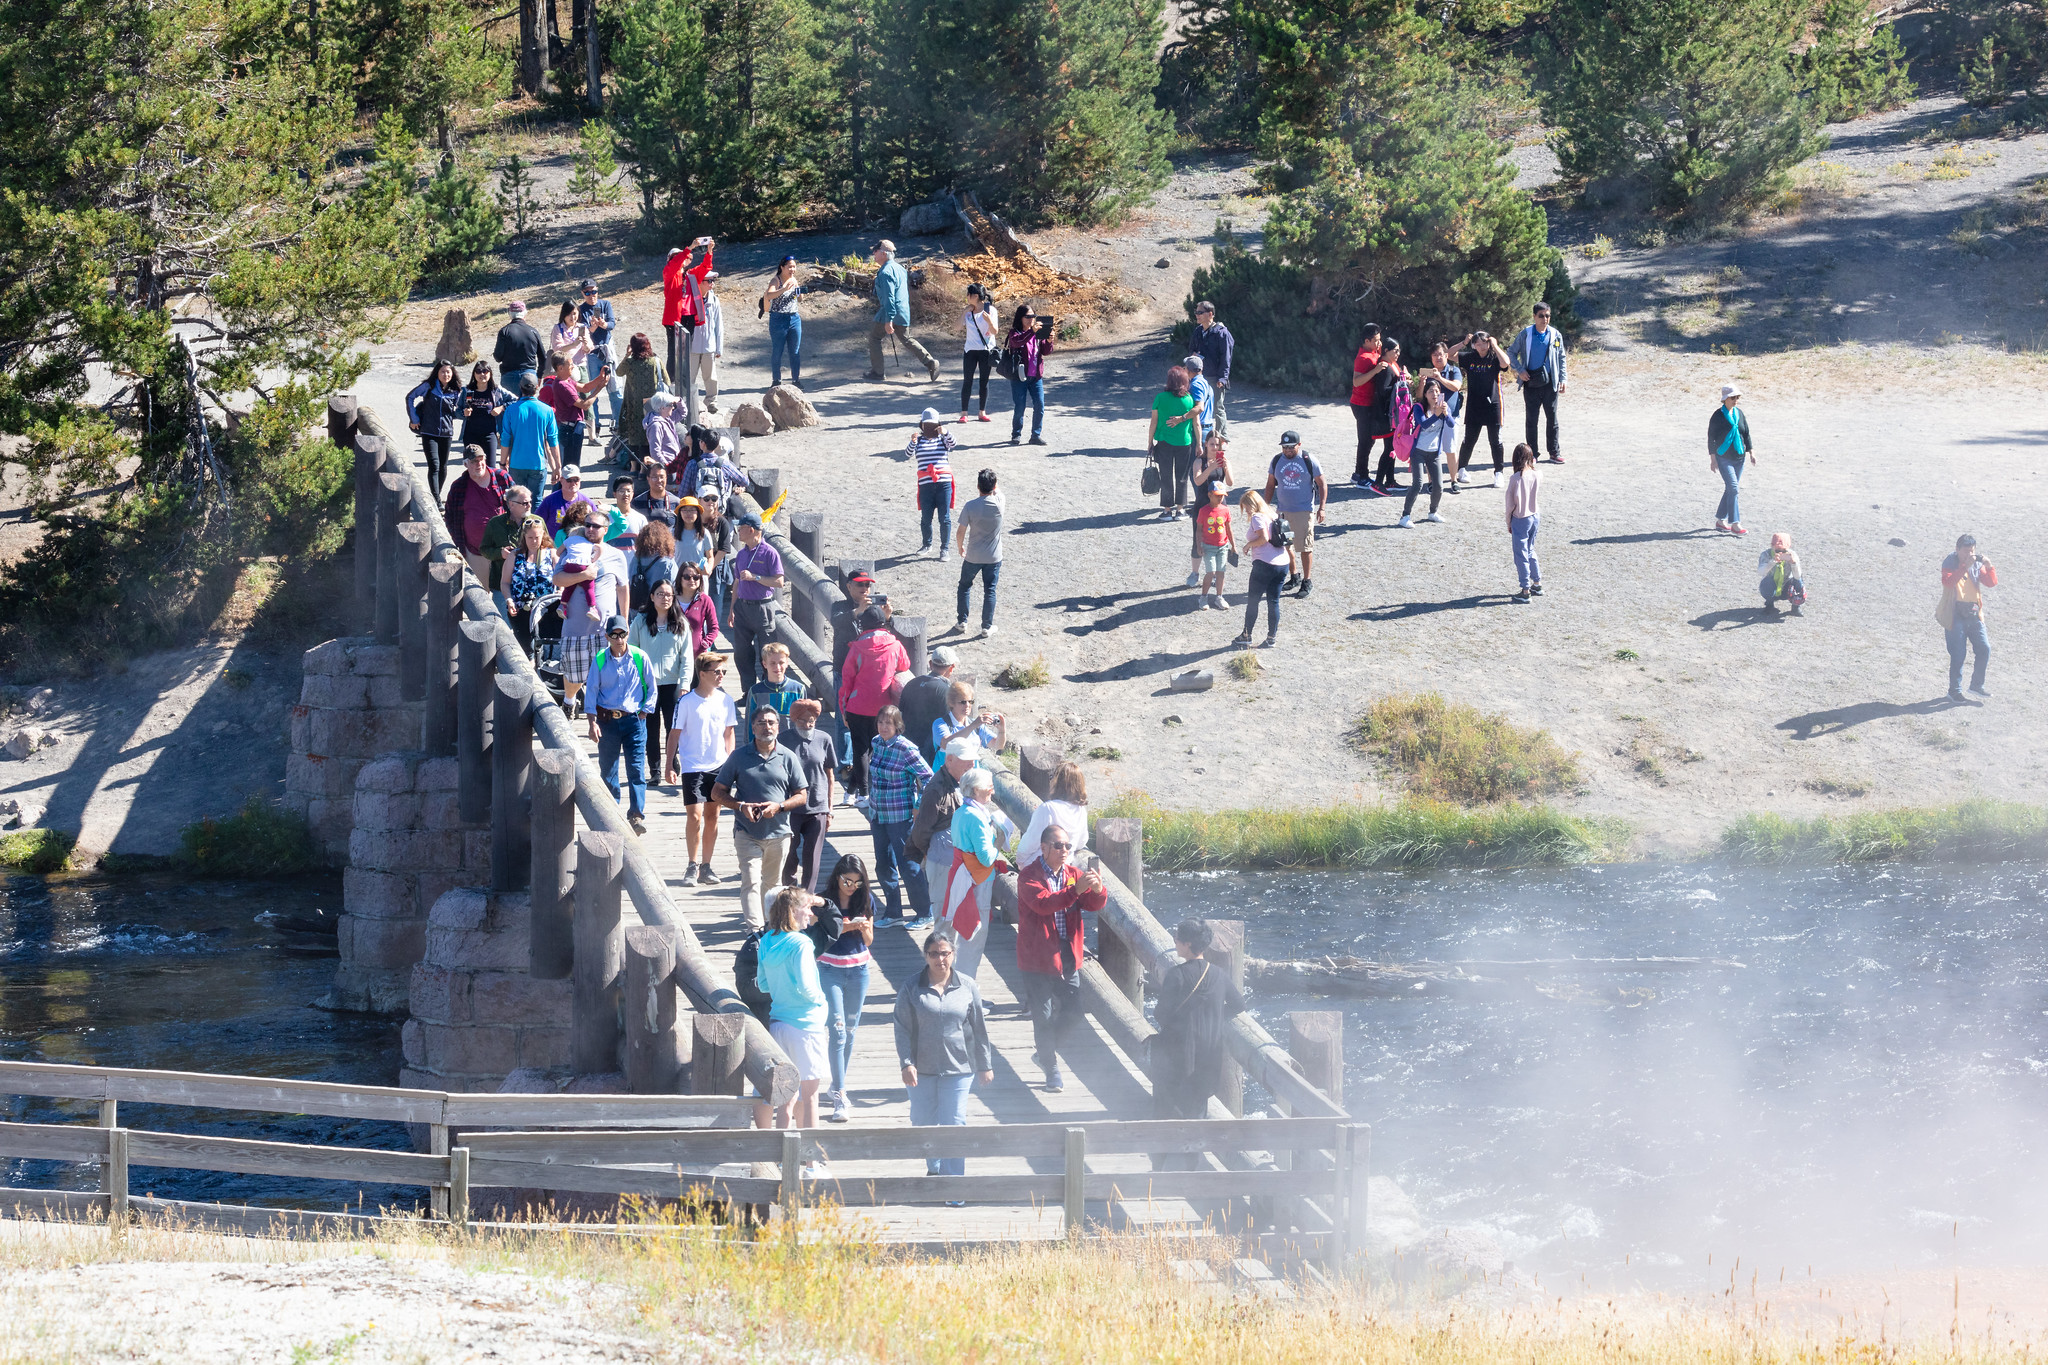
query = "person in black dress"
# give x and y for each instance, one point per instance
(1196, 1003)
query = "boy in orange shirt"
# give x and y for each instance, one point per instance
(1212, 525)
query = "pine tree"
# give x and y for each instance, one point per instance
(428, 60)
(597, 164)
(1693, 101)
(515, 194)
(1852, 68)
(464, 224)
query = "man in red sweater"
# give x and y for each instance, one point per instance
(682, 289)
(1052, 894)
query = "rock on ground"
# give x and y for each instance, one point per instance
(790, 408)
(753, 420)
(929, 219)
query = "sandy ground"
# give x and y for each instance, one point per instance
(1873, 457)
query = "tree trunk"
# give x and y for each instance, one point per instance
(533, 71)
(444, 138)
(556, 53)
(593, 52)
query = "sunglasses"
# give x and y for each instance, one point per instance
(616, 634)
(1063, 848)
(593, 526)
(938, 952)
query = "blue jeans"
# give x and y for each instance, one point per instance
(531, 480)
(1965, 633)
(1030, 391)
(989, 573)
(889, 871)
(941, 1102)
(628, 736)
(1730, 509)
(1522, 532)
(786, 333)
(511, 379)
(572, 442)
(846, 992)
(935, 497)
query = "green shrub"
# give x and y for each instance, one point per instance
(1411, 833)
(1852, 68)
(262, 840)
(1453, 752)
(1016, 677)
(1981, 830)
(464, 223)
(36, 851)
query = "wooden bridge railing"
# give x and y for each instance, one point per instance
(485, 705)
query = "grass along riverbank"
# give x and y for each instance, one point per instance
(690, 1292)
(1411, 833)
(1970, 831)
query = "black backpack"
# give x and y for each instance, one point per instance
(1278, 535)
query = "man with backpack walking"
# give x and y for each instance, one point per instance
(1296, 488)
(1537, 353)
(620, 691)
(892, 312)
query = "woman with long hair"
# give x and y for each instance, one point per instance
(692, 545)
(644, 378)
(660, 632)
(434, 410)
(483, 402)
(1030, 348)
(653, 561)
(697, 606)
(1173, 436)
(1067, 807)
(979, 340)
(788, 972)
(530, 576)
(570, 338)
(785, 322)
(843, 933)
(1269, 567)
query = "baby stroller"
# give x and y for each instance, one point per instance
(543, 639)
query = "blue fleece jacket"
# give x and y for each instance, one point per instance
(789, 973)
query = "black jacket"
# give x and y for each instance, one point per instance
(746, 965)
(1215, 346)
(1717, 430)
(519, 348)
(1195, 1001)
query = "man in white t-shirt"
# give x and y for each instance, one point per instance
(592, 576)
(701, 738)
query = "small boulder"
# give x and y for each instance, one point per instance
(789, 408)
(41, 700)
(1161, 264)
(941, 214)
(23, 742)
(1194, 680)
(752, 419)
(17, 813)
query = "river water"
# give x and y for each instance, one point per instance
(1869, 1089)
(181, 975)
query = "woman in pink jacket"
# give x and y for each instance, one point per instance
(877, 665)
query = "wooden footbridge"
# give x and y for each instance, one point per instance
(651, 961)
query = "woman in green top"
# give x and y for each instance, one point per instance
(644, 378)
(1174, 437)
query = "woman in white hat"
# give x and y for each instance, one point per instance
(1728, 447)
(932, 451)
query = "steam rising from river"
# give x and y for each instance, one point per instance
(1869, 1090)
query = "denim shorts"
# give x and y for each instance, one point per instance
(1215, 558)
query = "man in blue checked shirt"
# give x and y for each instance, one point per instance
(620, 692)
(897, 773)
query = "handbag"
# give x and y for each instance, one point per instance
(1149, 481)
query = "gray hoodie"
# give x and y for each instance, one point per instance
(943, 1033)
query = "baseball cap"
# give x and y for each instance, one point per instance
(1193, 362)
(614, 622)
(590, 286)
(886, 245)
(966, 746)
(570, 471)
(751, 520)
(862, 576)
(871, 617)
(1290, 437)
(945, 656)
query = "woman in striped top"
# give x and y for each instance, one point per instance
(842, 934)
(932, 448)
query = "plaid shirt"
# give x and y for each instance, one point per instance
(897, 773)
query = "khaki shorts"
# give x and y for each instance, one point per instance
(1303, 525)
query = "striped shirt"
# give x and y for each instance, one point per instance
(897, 773)
(934, 456)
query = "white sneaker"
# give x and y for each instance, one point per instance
(838, 1114)
(1406, 521)
(1194, 579)
(988, 633)
(1494, 482)
(1219, 604)
(1434, 516)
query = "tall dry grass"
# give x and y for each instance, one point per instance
(1449, 751)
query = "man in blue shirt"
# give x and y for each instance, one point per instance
(892, 312)
(596, 314)
(530, 438)
(1204, 395)
(620, 691)
(1537, 353)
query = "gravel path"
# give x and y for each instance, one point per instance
(1873, 457)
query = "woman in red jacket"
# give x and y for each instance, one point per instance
(877, 665)
(1052, 894)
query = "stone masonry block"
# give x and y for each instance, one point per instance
(438, 775)
(387, 811)
(516, 998)
(335, 693)
(330, 658)
(476, 851)
(374, 661)
(465, 907)
(311, 775)
(455, 1050)
(369, 894)
(391, 944)
(412, 1041)
(440, 810)
(477, 948)
(300, 729)
(386, 850)
(392, 729)
(343, 734)
(393, 772)
(383, 691)
(544, 1047)
(440, 995)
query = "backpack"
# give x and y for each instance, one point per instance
(642, 588)
(1013, 362)
(1279, 535)
(1405, 421)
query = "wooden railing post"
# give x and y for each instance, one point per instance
(511, 782)
(1315, 1039)
(477, 647)
(458, 1187)
(1035, 765)
(718, 1054)
(1120, 844)
(600, 947)
(416, 542)
(1227, 952)
(765, 485)
(1076, 1177)
(1350, 1196)
(369, 452)
(913, 632)
(807, 534)
(654, 1061)
(792, 1190)
(437, 1145)
(114, 1180)
(394, 496)
(551, 888)
(444, 613)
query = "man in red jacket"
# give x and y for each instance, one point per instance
(682, 289)
(1052, 893)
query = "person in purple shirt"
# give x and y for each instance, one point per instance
(757, 574)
